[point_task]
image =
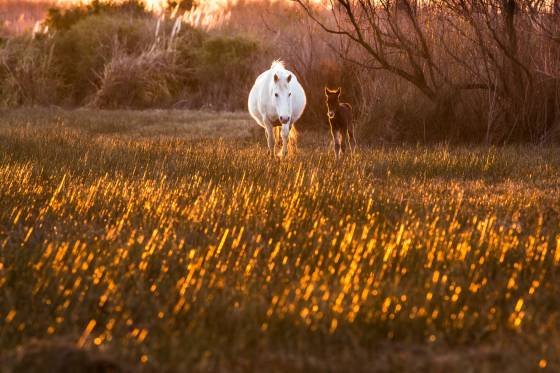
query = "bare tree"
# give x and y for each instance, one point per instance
(446, 47)
(397, 37)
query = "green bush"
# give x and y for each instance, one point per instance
(225, 67)
(82, 52)
(220, 56)
(85, 49)
(185, 47)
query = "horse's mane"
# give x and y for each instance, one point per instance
(278, 64)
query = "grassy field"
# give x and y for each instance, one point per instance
(142, 241)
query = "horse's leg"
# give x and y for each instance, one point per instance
(285, 138)
(270, 139)
(336, 141)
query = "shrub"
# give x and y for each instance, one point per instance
(142, 81)
(27, 76)
(82, 52)
(225, 70)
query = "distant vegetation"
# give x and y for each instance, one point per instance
(446, 71)
(119, 55)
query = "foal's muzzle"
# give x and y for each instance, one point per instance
(284, 120)
(331, 114)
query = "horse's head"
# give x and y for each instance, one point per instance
(282, 96)
(332, 100)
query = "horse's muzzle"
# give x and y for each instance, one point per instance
(331, 114)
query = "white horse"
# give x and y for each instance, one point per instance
(277, 99)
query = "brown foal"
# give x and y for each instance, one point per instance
(340, 120)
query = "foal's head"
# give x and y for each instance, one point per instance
(332, 100)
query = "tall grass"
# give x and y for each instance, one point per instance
(26, 73)
(186, 255)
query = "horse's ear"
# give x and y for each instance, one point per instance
(338, 91)
(276, 78)
(326, 91)
(289, 78)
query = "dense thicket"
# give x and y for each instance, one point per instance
(119, 55)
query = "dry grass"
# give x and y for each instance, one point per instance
(143, 235)
(186, 124)
(19, 16)
(137, 81)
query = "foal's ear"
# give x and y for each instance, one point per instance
(289, 78)
(338, 91)
(276, 78)
(326, 91)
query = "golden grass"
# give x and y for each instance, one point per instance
(179, 251)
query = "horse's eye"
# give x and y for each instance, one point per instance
(290, 94)
(276, 94)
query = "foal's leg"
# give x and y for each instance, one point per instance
(343, 140)
(270, 139)
(349, 140)
(336, 140)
